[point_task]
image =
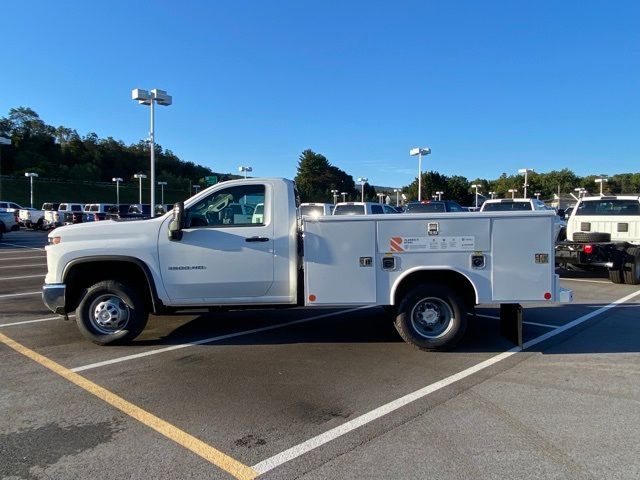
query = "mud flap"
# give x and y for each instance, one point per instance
(511, 322)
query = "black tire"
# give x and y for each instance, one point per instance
(110, 312)
(38, 225)
(631, 268)
(591, 237)
(450, 317)
(615, 275)
(562, 234)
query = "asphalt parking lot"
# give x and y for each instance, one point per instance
(309, 393)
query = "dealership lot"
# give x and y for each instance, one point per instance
(310, 393)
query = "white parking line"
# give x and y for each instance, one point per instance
(315, 442)
(546, 325)
(21, 246)
(18, 258)
(24, 266)
(38, 320)
(24, 276)
(211, 340)
(495, 317)
(586, 280)
(20, 294)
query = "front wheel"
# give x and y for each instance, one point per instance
(111, 312)
(431, 317)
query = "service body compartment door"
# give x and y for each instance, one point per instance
(523, 258)
(340, 262)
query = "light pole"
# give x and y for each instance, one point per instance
(140, 176)
(362, 181)
(581, 191)
(526, 172)
(31, 177)
(344, 196)
(162, 185)
(197, 188)
(419, 152)
(3, 141)
(513, 192)
(601, 181)
(244, 169)
(439, 193)
(335, 196)
(537, 194)
(380, 197)
(476, 186)
(493, 194)
(151, 98)
(397, 190)
(117, 180)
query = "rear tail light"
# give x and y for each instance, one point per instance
(588, 249)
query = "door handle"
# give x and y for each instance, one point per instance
(256, 239)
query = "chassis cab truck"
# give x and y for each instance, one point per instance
(429, 270)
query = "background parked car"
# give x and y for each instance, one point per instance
(434, 206)
(9, 206)
(523, 205)
(33, 218)
(96, 211)
(316, 209)
(8, 221)
(359, 208)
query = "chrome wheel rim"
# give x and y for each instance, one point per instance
(109, 314)
(432, 318)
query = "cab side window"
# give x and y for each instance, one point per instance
(242, 205)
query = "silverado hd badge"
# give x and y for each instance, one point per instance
(188, 267)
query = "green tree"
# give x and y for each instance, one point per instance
(316, 177)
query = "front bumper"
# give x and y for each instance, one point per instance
(53, 296)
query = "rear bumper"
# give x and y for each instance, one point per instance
(53, 296)
(607, 255)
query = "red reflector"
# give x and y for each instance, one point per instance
(588, 249)
(547, 296)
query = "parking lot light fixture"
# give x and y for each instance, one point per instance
(335, 196)
(196, 188)
(380, 197)
(493, 195)
(513, 192)
(601, 181)
(419, 151)
(144, 97)
(537, 194)
(117, 180)
(476, 186)
(344, 196)
(162, 185)
(31, 176)
(581, 191)
(140, 177)
(397, 191)
(244, 169)
(439, 193)
(526, 172)
(362, 181)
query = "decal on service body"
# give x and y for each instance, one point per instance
(432, 244)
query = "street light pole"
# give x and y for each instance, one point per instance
(419, 152)
(362, 181)
(244, 169)
(335, 196)
(476, 186)
(397, 190)
(31, 177)
(439, 193)
(162, 184)
(513, 192)
(197, 188)
(117, 180)
(526, 171)
(344, 196)
(537, 194)
(140, 176)
(151, 98)
(601, 181)
(3, 141)
(492, 195)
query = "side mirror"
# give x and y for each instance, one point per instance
(175, 225)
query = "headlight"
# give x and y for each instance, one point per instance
(54, 240)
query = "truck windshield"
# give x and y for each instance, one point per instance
(349, 210)
(312, 210)
(431, 207)
(608, 207)
(506, 207)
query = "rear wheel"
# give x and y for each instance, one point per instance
(615, 275)
(631, 268)
(431, 317)
(111, 312)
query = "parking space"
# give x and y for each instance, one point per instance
(317, 393)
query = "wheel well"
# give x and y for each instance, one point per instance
(454, 280)
(81, 276)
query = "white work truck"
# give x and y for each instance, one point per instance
(429, 270)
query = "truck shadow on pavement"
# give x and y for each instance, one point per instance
(614, 331)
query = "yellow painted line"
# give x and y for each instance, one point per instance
(182, 438)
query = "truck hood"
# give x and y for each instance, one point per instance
(107, 230)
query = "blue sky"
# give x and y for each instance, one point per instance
(490, 86)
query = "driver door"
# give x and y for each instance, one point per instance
(225, 255)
